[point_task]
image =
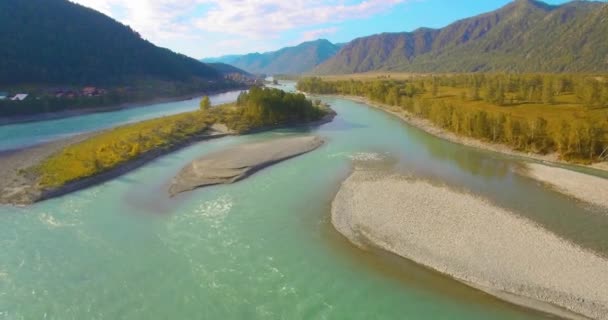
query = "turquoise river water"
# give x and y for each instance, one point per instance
(262, 248)
(26, 134)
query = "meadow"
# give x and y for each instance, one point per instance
(566, 114)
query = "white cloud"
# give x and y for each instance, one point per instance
(260, 18)
(154, 19)
(317, 33)
(245, 17)
(240, 21)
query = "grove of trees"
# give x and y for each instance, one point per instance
(267, 107)
(575, 138)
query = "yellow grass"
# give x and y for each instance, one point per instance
(564, 109)
(374, 76)
(110, 148)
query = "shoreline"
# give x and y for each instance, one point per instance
(430, 128)
(471, 240)
(122, 106)
(589, 189)
(22, 190)
(17, 188)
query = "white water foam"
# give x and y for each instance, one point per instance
(359, 156)
(50, 221)
(215, 208)
(366, 156)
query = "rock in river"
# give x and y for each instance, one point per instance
(234, 164)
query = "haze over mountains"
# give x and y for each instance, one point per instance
(291, 60)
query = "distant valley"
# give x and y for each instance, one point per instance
(291, 60)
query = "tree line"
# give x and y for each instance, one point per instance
(268, 106)
(39, 101)
(582, 139)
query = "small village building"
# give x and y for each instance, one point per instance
(19, 97)
(90, 91)
(66, 93)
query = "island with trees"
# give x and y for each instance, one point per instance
(103, 155)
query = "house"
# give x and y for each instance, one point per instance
(19, 97)
(66, 94)
(3, 95)
(89, 91)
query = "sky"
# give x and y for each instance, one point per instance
(210, 28)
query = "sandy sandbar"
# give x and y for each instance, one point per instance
(473, 241)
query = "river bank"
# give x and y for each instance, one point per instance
(581, 186)
(473, 241)
(428, 127)
(19, 185)
(19, 181)
(122, 106)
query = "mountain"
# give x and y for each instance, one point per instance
(226, 69)
(523, 36)
(59, 42)
(291, 60)
(223, 59)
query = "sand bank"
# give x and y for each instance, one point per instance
(237, 163)
(581, 186)
(431, 128)
(473, 241)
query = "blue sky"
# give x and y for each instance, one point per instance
(207, 28)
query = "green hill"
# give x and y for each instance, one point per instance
(291, 60)
(59, 42)
(523, 36)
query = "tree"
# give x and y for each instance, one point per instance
(548, 91)
(205, 103)
(589, 92)
(538, 135)
(563, 138)
(435, 88)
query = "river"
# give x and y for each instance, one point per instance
(21, 135)
(262, 248)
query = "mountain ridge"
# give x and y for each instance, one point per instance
(60, 42)
(289, 60)
(522, 36)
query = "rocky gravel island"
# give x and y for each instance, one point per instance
(237, 163)
(472, 240)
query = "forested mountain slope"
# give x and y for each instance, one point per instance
(226, 69)
(523, 36)
(59, 42)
